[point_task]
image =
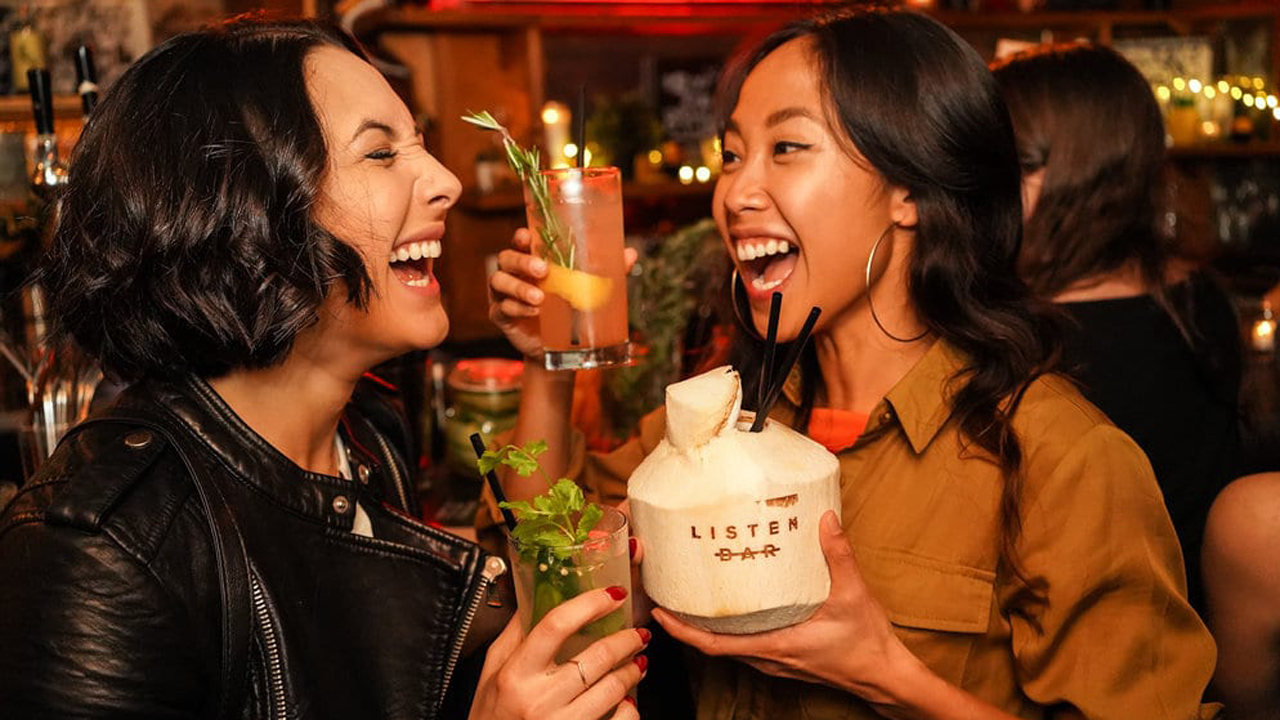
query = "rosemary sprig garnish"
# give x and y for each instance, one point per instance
(526, 164)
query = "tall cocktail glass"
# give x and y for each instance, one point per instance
(578, 231)
(547, 576)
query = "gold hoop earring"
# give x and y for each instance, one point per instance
(733, 301)
(871, 257)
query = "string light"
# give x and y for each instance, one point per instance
(1236, 93)
(1163, 93)
(570, 150)
(703, 173)
(685, 174)
(1258, 84)
(1194, 85)
(1224, 86)
(1179, 84)
(1209, 92)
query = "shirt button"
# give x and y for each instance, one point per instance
(340, 504)
(138, 439)
(363, 472)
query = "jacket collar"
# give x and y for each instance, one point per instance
(921, 400)
(195, 405)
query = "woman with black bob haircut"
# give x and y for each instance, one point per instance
(1154, 348)
(250, 225)
(1002, 549)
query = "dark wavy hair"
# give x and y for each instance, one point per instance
(1088, 118)
(921, 107)
(186, 242)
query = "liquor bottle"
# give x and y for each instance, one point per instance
(49, 174)
(26, 49)
(86, 79)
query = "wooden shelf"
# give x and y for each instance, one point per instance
(1178, 20)
(628, 18)
(17, 108)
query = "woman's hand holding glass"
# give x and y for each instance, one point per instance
(515, 298)
(521, 680)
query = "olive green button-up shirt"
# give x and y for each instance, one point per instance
(1113, 637)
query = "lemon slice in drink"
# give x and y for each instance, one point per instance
(582, 290)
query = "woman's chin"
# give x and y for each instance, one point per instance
(435, 330)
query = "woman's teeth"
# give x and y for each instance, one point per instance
(753, 250)
(416, 251)
(760, 284)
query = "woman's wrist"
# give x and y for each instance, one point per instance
(890, 684)
(537, 374)
(906, 689)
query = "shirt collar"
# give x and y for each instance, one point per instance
(921, 400)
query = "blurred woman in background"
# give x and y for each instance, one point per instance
(1153, 348)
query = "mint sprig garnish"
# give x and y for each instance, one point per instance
(551, 536)
(558, 518)
(557, 239)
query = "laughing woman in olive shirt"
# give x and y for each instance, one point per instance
(1004, 550)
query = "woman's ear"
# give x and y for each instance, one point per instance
(1032, 184)
(902, 208)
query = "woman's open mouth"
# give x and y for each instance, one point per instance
(412, 262)
(766, 263)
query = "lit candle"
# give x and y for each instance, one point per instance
(1263, 336)
(555, 124)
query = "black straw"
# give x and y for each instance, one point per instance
(793, 354)
(581, 117)
(575, 317)
(477, 443)
(770, 347)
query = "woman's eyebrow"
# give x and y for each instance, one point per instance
(777, 117)
(373, 125)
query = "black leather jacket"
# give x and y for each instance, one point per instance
(112, 602)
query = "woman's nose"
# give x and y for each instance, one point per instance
(744, 191)
(437, 186)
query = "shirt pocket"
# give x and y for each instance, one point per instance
(939, 609)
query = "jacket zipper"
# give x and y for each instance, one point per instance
(493, 569)
(395, 472)
(276, 705)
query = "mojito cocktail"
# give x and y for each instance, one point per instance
(547, 576)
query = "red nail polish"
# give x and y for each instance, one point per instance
(617, 592)
(645, 635)
(631, 546)
(641, 662)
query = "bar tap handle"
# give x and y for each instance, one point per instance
(86, 79)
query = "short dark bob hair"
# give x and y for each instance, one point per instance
(186, 242)
(1088, 118)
